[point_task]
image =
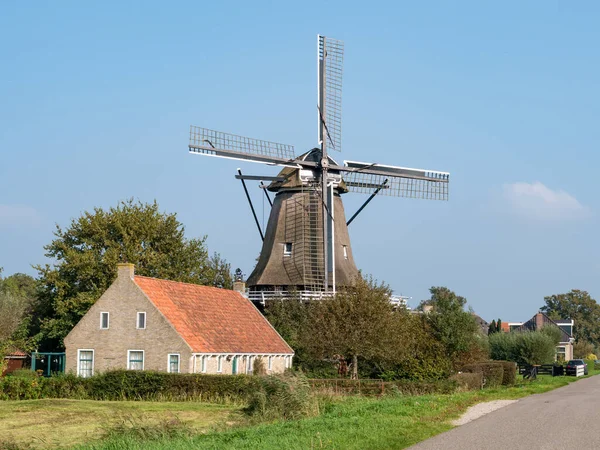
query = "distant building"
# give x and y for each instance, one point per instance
(564, 350)
(143, 323)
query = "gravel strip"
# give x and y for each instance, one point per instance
(481, 409)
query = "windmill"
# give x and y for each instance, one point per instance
(306, 246)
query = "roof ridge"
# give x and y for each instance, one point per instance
(184, 282)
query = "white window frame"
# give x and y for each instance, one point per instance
(178, 362)
(287, 252)
(345, 248)
(129, 359)
(287, 361)
(203, 363)
(137, 320)
(107, 320)
(249, 364)
(220, 364)
(79, 350)
(270, 362)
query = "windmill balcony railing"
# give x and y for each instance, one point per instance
(262, 296)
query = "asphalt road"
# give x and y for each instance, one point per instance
(564, 418)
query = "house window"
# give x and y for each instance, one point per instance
(234, 365)
(141, 321)
(287, 249)
(85, 363)
(203, 363)
(270, 363)
(219, 364)
(104, 321)
(250, 364)
(345, 248)
(288, 362)
(135, 359)
(174, 362)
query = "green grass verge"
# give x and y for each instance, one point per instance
(53, 423)
(344, 422)
(349, 423)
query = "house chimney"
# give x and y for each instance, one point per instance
(125, 270)
(539, 321)
(240, 287)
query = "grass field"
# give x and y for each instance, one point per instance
(344, 422)
(53, 423)
(348, 423)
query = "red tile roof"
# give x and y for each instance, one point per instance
(213, 320)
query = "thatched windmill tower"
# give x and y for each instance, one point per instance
(306, 247)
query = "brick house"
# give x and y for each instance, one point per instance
(143, 323)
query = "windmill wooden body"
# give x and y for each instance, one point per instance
(306, 247)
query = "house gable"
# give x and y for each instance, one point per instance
(123, 300)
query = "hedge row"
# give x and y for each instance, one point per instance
(468, 381)
(380, 387)
(494, 373)
(132, 385)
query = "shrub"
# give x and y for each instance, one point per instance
(509, 375)
(468, 381)
(492, 372)
(531, 347)
(408, 387)
(259, 367)
(503, 346)
(591, 356)
(285, 396)
(535, 348)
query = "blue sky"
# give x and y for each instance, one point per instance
(96, 102)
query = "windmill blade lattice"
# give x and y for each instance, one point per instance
(367, 183)
(332, 51)
(226, 145)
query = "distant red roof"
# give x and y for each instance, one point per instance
(213, 320)
(16, 354)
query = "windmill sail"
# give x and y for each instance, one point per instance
(331, 55)
(225, 145)
(401, 181)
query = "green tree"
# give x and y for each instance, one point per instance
(454, 327)
(581, 349)
(492, 328)
(498, 326)
(357, 322)
(87, 252)
(579, 306)
(16, 296)
(527, 347)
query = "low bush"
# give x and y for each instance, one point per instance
(282, 397)
(468, 381)
(509, 376)
(492, 372)
(409, 387)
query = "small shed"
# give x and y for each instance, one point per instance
(15, 360)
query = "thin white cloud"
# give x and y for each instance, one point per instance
(18, 215)
(537, 201)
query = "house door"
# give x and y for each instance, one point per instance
(234, 365)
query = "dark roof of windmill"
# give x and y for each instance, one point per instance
(292, 174)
